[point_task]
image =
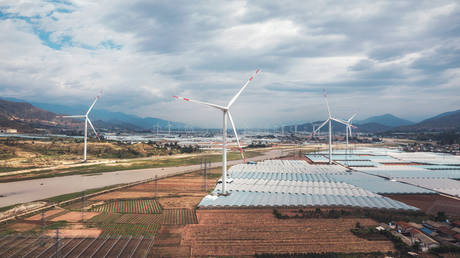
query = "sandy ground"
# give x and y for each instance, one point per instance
(23, 226)
(69, 233)
(75, 216)
(38, 189)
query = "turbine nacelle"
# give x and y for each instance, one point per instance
(87, 121)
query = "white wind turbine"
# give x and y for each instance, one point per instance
(85, 116)
(329, 120)
(225, 111)
(348, 130)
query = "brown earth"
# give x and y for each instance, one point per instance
(430, 203)
(246, 232)
(49, 213)
(23, 226)
(122, 195)
(69, 233)
(75, 216)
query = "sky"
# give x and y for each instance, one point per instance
(371, 57)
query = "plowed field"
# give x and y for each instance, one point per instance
(247, 232)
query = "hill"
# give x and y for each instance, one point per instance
(443, 122)
(107, 119)
(28, 118)
(24, 116)
(114, 118)
(388, 120)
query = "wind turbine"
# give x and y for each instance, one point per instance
(225, 111)
(348, 130)
(85, 116)
(329, 121)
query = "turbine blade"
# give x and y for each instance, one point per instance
(323, 124)
(202, 103)
(94, 102)
(351, 118)
(241, 90)
(339, 121)
(327, 103)
(349, 131)
(94, 130)
(78, 116)
(236, 136)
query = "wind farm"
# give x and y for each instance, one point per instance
(344, 138)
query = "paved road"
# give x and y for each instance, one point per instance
(38, 189)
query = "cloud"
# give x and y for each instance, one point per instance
(372, 57)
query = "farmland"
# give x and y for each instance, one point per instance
(141, 206)
(430, 203)
(251, 231)
(159, 219)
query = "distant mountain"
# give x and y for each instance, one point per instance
(28, 118)
(388, 120)
(114, 118)
(372, 128)
(445, 121)
(24, 116)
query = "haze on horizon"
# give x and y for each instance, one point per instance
(377, 57)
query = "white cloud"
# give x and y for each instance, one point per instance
(384, 57)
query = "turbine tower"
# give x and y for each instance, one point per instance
(87, 120)
(329, 121)
(225, 112)
(348, 131)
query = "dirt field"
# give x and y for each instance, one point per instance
(246, 232)
(430, 203)
(23, 226)
(75, 216)
(122, 195)
(48, 214)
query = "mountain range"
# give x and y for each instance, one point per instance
(389, 123)
(27, 117)
(104, 118)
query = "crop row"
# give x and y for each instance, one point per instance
(140, 219)
(129, 229)
(105, 218)
(142, 206)
(179, 216)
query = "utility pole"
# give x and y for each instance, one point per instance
(83, 204)
(57, 243)
(156, 186)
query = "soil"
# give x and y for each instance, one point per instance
(75, 216)
(23, 226)
(430, 203)
(69, 233)
(38, 217)
(122, 195)
(246, 232)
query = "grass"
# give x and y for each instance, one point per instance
(11, 169)
(100, 168)
(138, 206)
(2, 209)
(56, 225)
(129, 229)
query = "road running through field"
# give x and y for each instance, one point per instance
(38, 189)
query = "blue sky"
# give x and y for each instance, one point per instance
(372, 57)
